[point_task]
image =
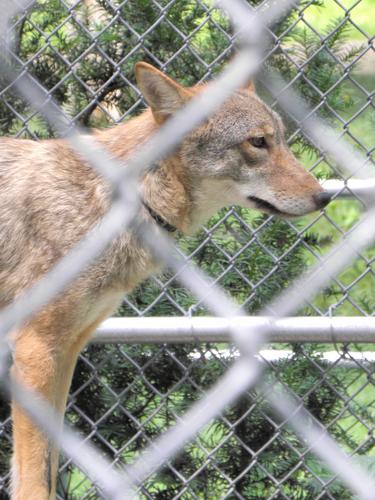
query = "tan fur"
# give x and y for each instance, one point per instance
(50, 197)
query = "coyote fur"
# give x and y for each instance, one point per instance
(50, 198)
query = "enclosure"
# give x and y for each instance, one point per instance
(140, 375)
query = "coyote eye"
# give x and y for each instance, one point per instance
(258, 142)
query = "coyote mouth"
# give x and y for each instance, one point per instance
(266, 206)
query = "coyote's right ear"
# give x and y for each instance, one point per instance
(164, 95)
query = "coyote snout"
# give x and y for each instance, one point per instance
(283, 187)
(50, 198)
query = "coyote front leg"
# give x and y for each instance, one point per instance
(44, 360)
(46, 369)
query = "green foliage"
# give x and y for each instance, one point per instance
(317, 70)
(253, 259)
(138, 391)
(150, 387)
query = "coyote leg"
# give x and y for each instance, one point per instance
(43, 368)
(48, 370)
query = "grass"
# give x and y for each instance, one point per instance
(361, 15)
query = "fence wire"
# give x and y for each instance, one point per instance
(235, 379)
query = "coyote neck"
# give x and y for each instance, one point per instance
(125, 138)
(165, 189)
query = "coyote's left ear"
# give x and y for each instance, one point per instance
(164, 95)
(249, 86)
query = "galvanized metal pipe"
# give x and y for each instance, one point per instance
(363, 189)
(155, 330)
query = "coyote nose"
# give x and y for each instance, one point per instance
(322, 199)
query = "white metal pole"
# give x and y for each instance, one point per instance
(212, 329)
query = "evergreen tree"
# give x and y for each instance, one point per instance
(84, 55)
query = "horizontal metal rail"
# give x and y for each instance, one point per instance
(363, 189)
(181, 329)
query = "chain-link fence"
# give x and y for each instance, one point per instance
(125, 395)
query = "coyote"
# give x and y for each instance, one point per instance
(50, 197)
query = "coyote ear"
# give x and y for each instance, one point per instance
(164, 95)
(249, 86)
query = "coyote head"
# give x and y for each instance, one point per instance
(238, 156)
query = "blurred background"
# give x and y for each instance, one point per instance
(83, 52)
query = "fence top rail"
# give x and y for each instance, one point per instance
(360, 188)
(183, 329)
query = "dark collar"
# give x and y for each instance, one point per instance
(159, 219)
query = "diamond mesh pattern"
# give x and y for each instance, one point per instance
(234, 457)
